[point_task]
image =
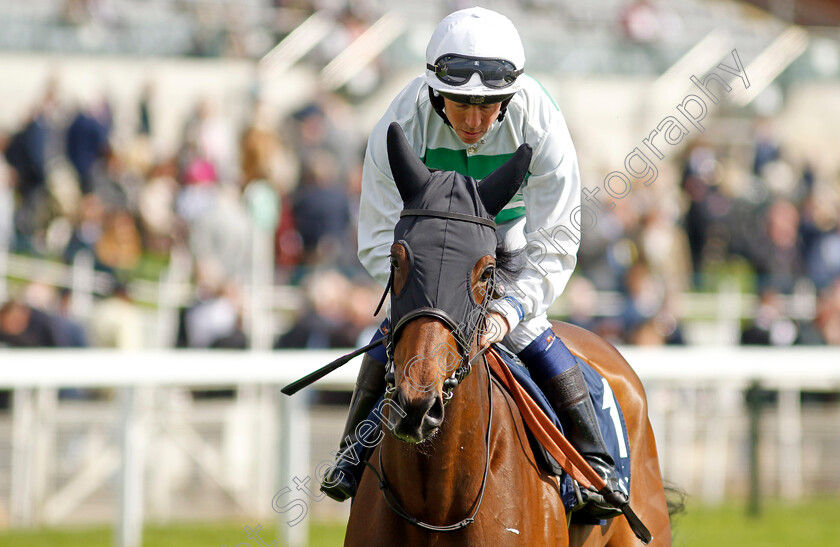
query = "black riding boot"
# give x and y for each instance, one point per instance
(569, 397)
(338, 483)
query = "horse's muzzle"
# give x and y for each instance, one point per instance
(423, 415)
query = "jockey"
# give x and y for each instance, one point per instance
(469, 112)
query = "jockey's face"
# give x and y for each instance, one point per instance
(471, 121)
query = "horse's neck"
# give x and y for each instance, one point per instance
(447, 469)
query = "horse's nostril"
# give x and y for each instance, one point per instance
(434, 417)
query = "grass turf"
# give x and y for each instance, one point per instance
(779, 525)
(181, 535)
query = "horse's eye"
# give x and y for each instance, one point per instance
(395, 263)
(487, 274)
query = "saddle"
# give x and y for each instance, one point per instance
(610, 421)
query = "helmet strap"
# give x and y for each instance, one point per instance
(438, 104)
(503, 109)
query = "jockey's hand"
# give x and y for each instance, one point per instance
(496, 328)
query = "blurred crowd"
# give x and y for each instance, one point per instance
(767, 227)
(68, 189)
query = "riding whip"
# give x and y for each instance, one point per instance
(312, 377)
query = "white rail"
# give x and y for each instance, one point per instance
(803, 367)
(681, 382)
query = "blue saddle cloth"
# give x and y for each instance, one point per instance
(610, 419)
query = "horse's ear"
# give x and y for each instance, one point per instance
(498, 188)
(410, 173)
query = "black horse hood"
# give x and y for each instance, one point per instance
(446, 226)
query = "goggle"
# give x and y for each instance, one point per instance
(456, 70)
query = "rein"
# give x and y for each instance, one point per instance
(395, 505)
(561, 449)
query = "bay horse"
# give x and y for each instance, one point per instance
(467, 475)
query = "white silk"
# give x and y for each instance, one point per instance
(549, 232)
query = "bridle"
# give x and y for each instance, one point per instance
(462, 338)
(458, 375)
(400, 511)
(465, 364)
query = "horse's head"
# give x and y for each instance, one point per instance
(443, 269)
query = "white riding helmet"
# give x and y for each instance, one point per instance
(475, 54)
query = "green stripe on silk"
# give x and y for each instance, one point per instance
(476, 167)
